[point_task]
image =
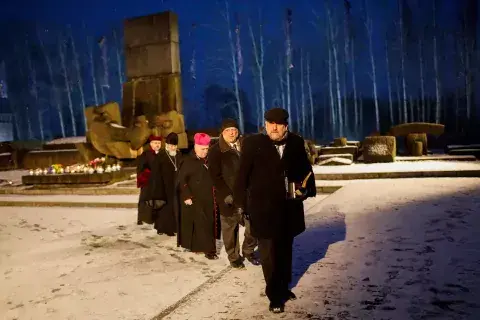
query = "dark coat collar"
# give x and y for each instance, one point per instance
(224, 146)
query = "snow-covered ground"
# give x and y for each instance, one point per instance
(403, 249)
(381, 249)
(403, 166)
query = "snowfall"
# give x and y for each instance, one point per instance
(375, 249)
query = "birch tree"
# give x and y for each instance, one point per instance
(78, 70)
(235, 68)
(369, 27)
(119, 60)
(93, 74)
(438, 105)
(34, 92)
(333, 37)
(62, 49)
(351, 59)
(25, 102)
(56, 91)
(302, 94)
(330, 81)
(422, 76)
(401, 31)
(310, 99)
(259, 55)
(288, 57)
(389, 85)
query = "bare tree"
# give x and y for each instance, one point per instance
(259, 54)
(56, 92)
(330, 81)
(119, 60)
(333, 37)
(438, 106)
(34, 93)
(402, 57)
(310, 99)
(369, 27)
(79, 76)
(288, 56)
(389, 85)
(235, 67)
(93, 73)
(422, 77)
(62, 49)
(302, 94)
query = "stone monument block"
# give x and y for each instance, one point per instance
(152, 60)
(153, 96)
(155, 28)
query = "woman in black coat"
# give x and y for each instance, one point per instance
(145, 165)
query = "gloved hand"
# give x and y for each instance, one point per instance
(158, 204)
(241, 212)
(228, 200)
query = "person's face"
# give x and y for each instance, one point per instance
(201, 151)
(171, 148)
(276, 131)
(230, 135)
(155, 145)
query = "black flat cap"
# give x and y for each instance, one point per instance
(172, 138)
(229, 123)
(277, 115)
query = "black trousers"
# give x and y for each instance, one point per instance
(276, 259)
(230, 227)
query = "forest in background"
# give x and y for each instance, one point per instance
(358, 73)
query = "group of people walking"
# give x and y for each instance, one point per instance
(258, 182)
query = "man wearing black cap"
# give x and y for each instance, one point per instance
(224, 158)
(164, 185)
(274, 178)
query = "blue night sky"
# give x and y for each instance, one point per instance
(210, 40)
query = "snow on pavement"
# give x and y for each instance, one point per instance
(400, 166)
(403, 249)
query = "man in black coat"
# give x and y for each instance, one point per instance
(164, 176)
(224, 158)
(271, 165)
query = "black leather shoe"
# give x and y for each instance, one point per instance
(139, 223)
(253, 260)
(276, 307)
(211, 256)
(291, 295)
(238, 264)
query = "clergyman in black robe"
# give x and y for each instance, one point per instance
(164, 179)
(145, 165)
(200, 225)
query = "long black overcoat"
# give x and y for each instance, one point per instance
(260, 186)
(199, 222)
(223, 162)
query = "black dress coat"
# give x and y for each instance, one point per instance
(164, 187)
(145, 164)
(260, 185)
(199, 221)
(223, 163)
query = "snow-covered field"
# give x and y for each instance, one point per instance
(401, 166)
(383, 249)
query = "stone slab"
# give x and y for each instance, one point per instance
(154, 28)
(152, 60)
(335, 161)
